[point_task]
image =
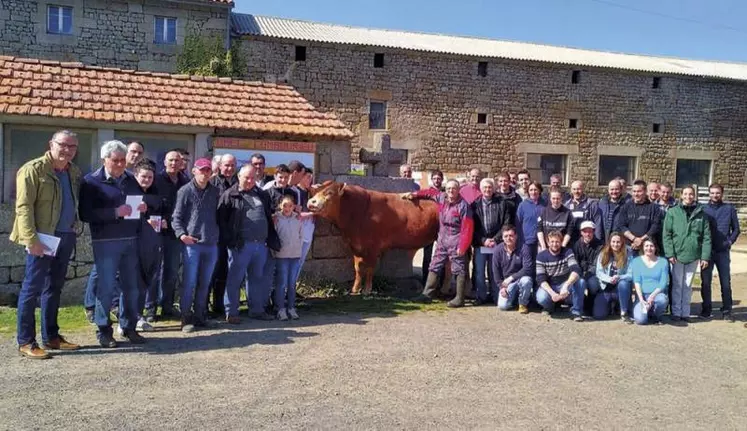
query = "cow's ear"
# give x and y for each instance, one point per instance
(342, 189)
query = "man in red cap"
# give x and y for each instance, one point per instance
(195, 224)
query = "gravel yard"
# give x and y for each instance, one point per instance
(466, 369)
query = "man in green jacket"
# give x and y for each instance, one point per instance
(46, 205)
(687, 245)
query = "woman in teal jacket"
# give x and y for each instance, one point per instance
(687, 245)
(615, 279)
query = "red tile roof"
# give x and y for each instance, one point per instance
(72, 90)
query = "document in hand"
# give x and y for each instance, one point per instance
(487, 250)
(50, 243)
(133, 202)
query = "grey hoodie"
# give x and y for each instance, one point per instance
(291, 236)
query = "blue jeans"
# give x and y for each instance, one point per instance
(199, 263)
(520, 289)
(44, 278)
(722, 261)
(248, 261)
(89, 298)
(604, 299)
(111, 256)
(149, 265)
(576, 298)
(480, 262)
(172, 252)
(285, 281)
(660, 306)
(268, 281)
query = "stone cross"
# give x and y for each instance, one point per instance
(384, 160)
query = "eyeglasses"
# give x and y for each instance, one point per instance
(66, 146)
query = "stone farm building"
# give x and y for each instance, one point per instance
(449, 102)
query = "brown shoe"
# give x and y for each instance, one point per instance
(523, 309)
(233, 320)
(33, 351)
(60, 343)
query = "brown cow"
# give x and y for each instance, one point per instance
(372, 222)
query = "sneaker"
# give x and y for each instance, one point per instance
(282, 315)
(422, 299)
(293, 313)
(150, 316)
(676, 318)
(115, 314)
(705, 316)
(134, 337)
(89, 315)
(545, 313)
(726, 316)
(144, 326)
(120, 331)
(523, 309)
(626, 319)
(106, 341)
(578, 318)
(188, 327)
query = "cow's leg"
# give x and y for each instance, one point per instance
(359, 266)
(369, 267)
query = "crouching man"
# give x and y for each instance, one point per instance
(557, 277)
(513, 269)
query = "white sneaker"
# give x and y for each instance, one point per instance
(120, 331)
(282, 315)
(143, 326)
(293, 313)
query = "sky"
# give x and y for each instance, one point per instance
(694, 29)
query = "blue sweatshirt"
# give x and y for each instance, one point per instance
(526, 220)
(516, 265)
(195, 213)
(99, 199)
(650, 279)
(724, 225)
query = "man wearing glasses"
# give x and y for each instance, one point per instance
(258, 161)
(46, 203)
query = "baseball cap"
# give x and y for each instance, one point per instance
(203, 163)
(588, 225)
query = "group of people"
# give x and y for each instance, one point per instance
(634, 253)
(224, 226)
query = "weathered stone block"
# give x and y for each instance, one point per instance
(329, 247)
(335, 269)
(396, 264)
(17, 273)
(9, 294)
(324, 227)
(83, 270)
(4, 275)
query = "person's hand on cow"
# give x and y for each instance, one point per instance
(188, 240)
(406, 196)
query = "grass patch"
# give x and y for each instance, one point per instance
(70, 319)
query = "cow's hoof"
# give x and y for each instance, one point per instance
(355, 292)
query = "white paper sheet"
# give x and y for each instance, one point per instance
(50, 243)
(133, 202)
(487, 250)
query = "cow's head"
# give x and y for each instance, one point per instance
(326, 198)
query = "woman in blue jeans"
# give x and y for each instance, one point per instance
(651, 278)
(615, 279)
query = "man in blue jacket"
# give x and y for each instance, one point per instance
(513, 271)
(103, 196)
(724, 233)
(609, 210)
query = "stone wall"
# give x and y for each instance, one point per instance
(111, 33)
(433, 101)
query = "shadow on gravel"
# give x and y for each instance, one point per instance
(201, 341)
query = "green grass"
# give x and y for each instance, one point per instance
(70, 319)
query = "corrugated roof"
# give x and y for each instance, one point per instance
(246, 24)
(72, 90)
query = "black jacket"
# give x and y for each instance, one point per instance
(489, 226)
(230, 212)
(223, 183)
(586, 255)
(641, 219)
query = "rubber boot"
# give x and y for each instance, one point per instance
(431, 286)
(461, 286)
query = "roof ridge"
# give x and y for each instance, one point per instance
(570, 50)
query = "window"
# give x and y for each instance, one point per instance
(377, 115)
(575, 76)
(482, 68)
(59, 19)
(542, 166)
(378, 60)
(165, 31)
(482, 118)
(657, 128)
(611, 167)
(300, 53)
(573, 123)
(656, 83)
(690, 171)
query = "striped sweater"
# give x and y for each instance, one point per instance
(556, 268)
